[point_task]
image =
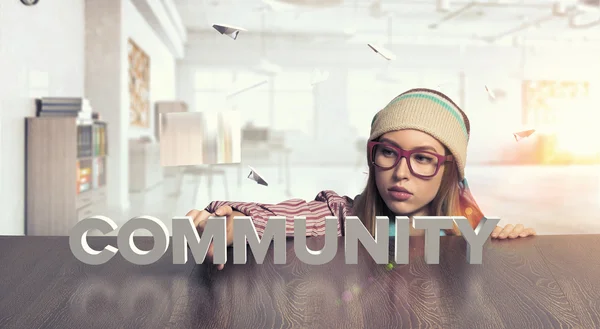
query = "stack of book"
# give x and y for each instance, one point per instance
(85, 141)
(76, 107)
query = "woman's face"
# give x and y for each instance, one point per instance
(421, 190)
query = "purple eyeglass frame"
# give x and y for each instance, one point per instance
(406, 154)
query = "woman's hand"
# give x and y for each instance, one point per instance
(512, 232)
(200, 218)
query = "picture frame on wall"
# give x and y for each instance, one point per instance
(139, 86)
(560, 111)
(544, 102)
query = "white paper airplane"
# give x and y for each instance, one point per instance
(319, 76)
(229, 30)
(256, 177)
(382, 51)
(523, 134)
(490, 92)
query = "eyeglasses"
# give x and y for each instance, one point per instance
(422, 164)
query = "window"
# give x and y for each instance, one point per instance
(293, 101)
(370, 90)
(294, 110)
(253, 106)
(210, 88)
(250, 96)
(293, 81)
(546, 100)
(247, 92)
(215, 80)
(447, 82)
(210, 101)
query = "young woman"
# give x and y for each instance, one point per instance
(416, 153)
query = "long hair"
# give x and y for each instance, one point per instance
(369, 203)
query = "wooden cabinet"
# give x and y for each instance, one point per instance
(65, 176)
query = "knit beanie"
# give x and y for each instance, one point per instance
(431, 112)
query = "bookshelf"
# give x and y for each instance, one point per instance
(65, 173)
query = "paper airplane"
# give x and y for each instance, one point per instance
(319, 76)
(490, 92)
(382, 51)
(523, 134)
(256, 177)
(229, 30)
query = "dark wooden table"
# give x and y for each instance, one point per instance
(536, 282)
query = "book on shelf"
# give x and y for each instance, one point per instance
(91, 173)
(84, 141)
(91, 140)
(77, 107)
(91, 152)
(99, 176)
(99, 131)
(84, 175)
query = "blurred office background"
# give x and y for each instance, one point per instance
(306, 86)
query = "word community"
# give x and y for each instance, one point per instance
(185, 235)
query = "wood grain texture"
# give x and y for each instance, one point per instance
(513, 286)
(53, 205)
(566, 256)
(536, 282)
(51, 175)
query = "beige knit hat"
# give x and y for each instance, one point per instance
(431, 112)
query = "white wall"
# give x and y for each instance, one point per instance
(110, 24)
(162, 62)
(105, 87)
(43, 40)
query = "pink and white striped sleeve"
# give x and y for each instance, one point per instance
(326, 203)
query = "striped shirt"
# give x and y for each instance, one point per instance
(326, 203)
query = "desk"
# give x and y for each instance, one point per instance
(537, 282)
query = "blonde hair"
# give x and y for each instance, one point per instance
(446, 202)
